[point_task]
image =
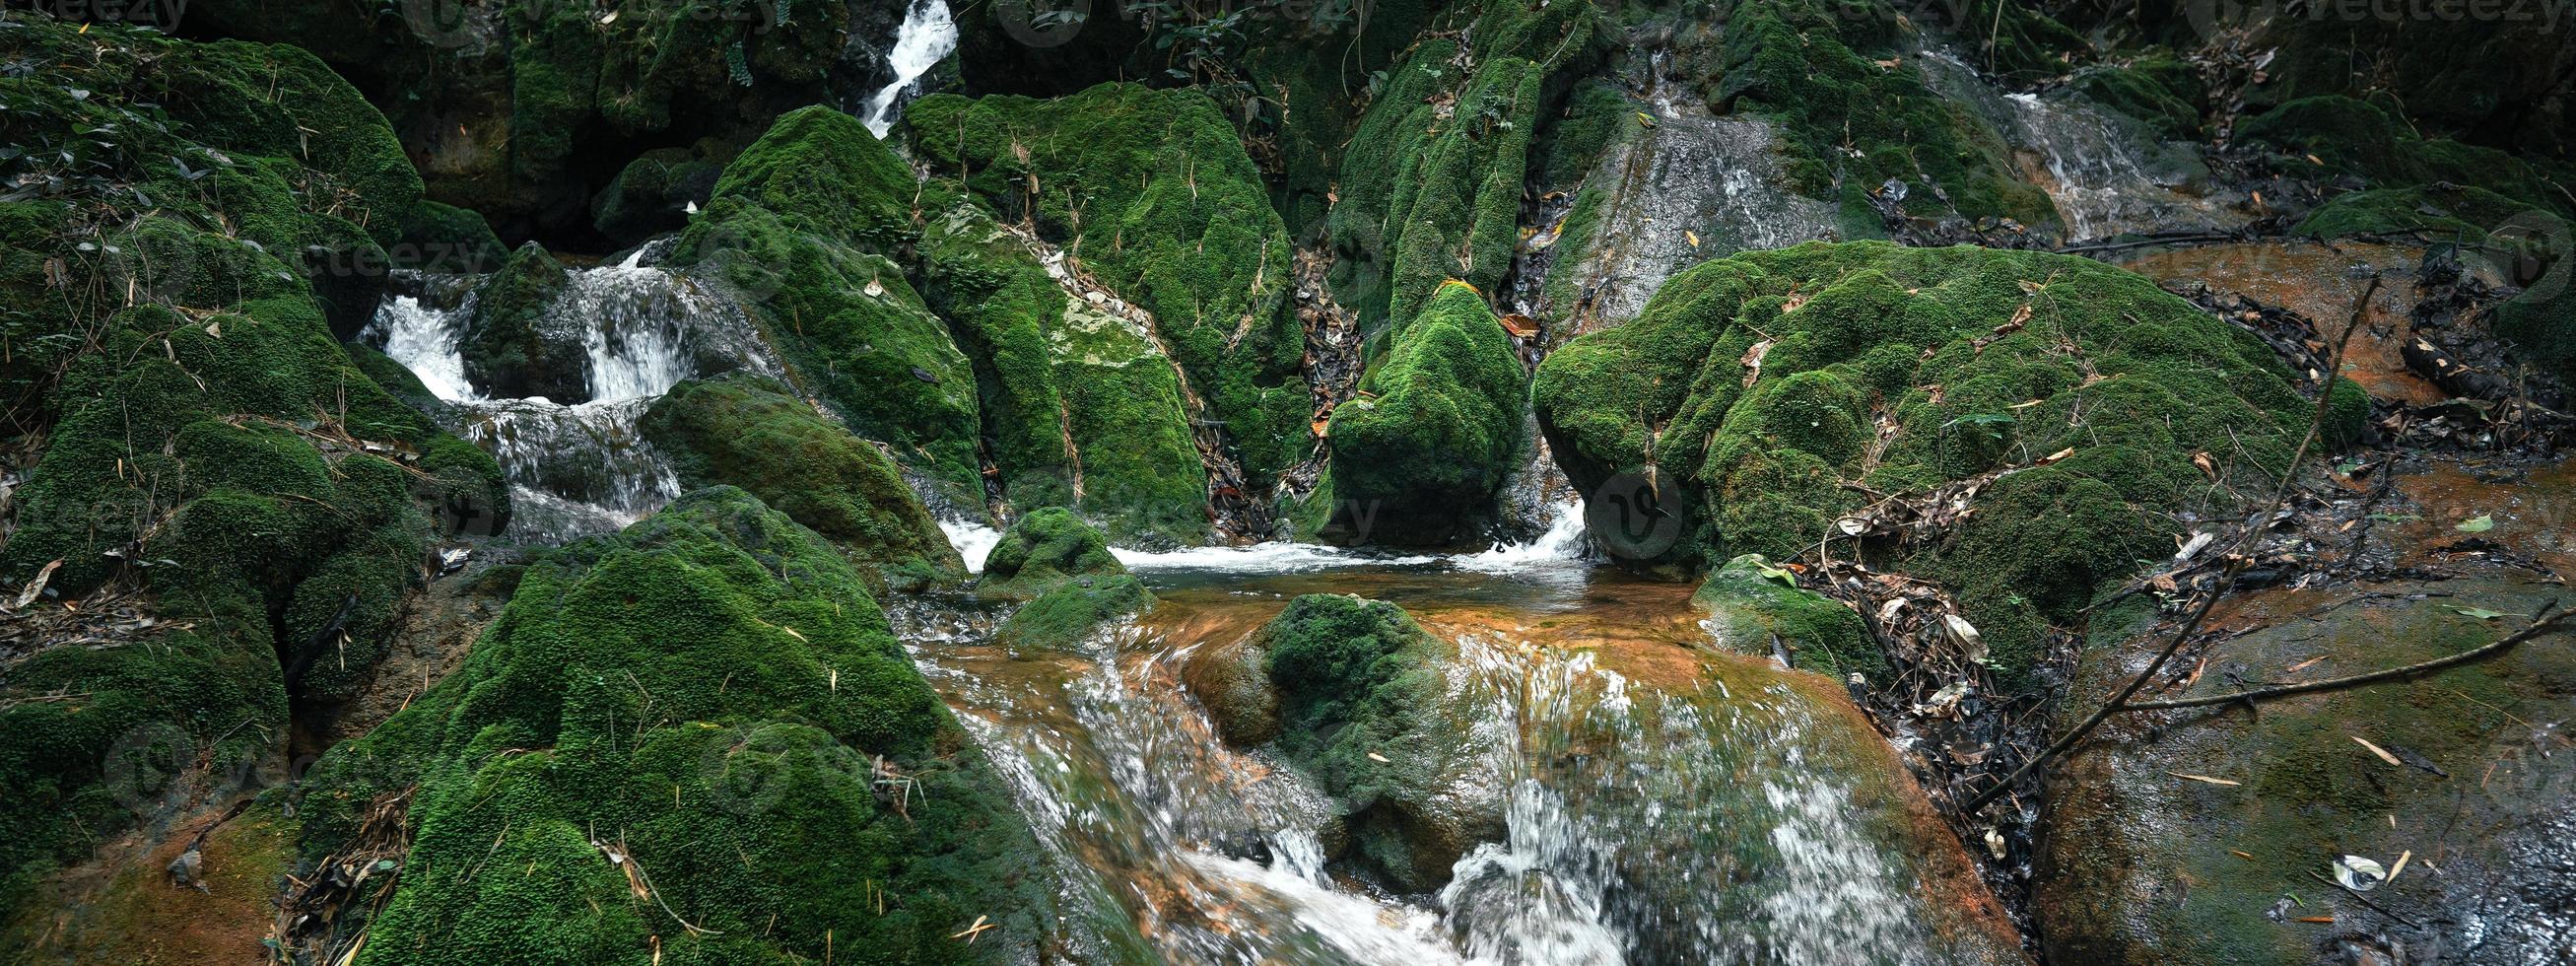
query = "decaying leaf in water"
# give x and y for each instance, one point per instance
(2480, 613)
(2477, 524)
(2359, 874)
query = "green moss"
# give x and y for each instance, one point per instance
(749, 431)
(1063, 618)
(196, 446)
(1899, 369)
(1432, 179)
(801, 231)
(1419, 459)
(2161, 91)
(444, 238)
(1150, 190)
(1081, 408)
(2442, 213)
(1851, 124)
(2363, 140)
(712, 696)
(1358, 685)
(1046, 549)
(511, 346)
(652, 194)
(1756, 609)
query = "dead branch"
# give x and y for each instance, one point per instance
(2546, 623)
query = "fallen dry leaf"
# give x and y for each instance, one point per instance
(2377, 750)
(2186, 776)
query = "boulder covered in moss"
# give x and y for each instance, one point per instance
(655, 192)
(1760, 398)
(1755, 608)
(2463, 769)
(1419, 456)
(1081, 407)
(209, 455)
(701, 719)
(1043, 550)
(1065, 616)
(1360, 708)
(1151, 191)
(752, 432)
(516, 343)
(803, 232)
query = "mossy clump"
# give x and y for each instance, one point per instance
(2364, 140)
(2444, 212)
(1418, 458)
(1359, 689)
(1081, 407)
(1150, 190)
(1431, 182)
(1762, 397)
(1045, 549)
(1757, 609)
(804, 231)
(703, 718)
(1856, 112)
(2160, 90)
(514, 344)
(444, 238)
(750, 431)
(1065, 616)
(653, 193)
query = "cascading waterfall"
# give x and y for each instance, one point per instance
(927, 35)
(583, 467)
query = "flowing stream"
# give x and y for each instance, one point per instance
(1660, 803)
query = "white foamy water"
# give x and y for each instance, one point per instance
(974, 541)
(1274, 557)
(1560, 547)
(927, 35)
(423, 339)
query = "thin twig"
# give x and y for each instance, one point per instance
(2534, 629)
(2226, 580)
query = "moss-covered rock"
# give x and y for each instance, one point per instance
(1757, 609)
(2365, 140)
(515, 344)
(1359, 689)
(1151, 190)
(2468, 791)
(1431, 182)
(1081, 407)
(749, 431)
(1043, 550)
(1063, 617)
(654, 193)
(1760, 397)
(702, 718)
(801, 232)
(208, 446)
(1420, 455)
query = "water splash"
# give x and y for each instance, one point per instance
(927, 35)
(973, 540)
(422, 336)
(1561, 546)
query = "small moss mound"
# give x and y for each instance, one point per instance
(1359, 687)
(703, 718)
(1418, 458)
(1062, 618)
(1762, 396)
(1044, 550)
(1755, 608)
(749, 431)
